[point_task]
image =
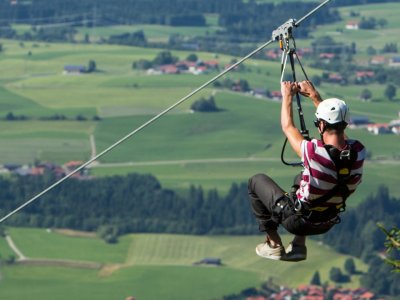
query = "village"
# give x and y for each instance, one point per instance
(315, 292)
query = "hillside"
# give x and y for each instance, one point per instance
(48, 114)
(167, 259)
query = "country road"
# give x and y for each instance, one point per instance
(211, 160)
(184, 161)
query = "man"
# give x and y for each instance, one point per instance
(332, 171)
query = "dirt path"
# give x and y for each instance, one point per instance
(15, 249)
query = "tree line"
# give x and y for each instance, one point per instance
(240, 19)
(133, 203)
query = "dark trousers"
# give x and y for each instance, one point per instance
(272, 206)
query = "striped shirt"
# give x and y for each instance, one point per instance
(320, 174)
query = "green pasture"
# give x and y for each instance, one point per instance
(61, 141)
(148, 260)
(376, 38)
(40, 243)
(143, 282)
(153, 33)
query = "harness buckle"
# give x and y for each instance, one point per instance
(345, 154)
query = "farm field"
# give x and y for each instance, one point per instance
(141, 261)
(212, 150)
(246, 129)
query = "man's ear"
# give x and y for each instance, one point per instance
(321, 126)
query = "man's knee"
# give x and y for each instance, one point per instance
(256, 179)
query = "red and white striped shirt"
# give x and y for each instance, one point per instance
(320, 174)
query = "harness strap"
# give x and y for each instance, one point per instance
(344, 161)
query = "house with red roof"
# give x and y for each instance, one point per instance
(353, 25)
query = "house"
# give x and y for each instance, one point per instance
(359, 121)
(394, 126)
(169, 69)
(71, 166)
(272, 54)
(378, 60)
(259, 93)
(377, 129)
(352, 25)
(335, 78)
(367, 296)
(327, 56)
(362, 76)
(394, 61)
(74, 69)
(212, 64)
(209, 261)
(275, 95)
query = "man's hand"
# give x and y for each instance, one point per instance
(289, 89)
(307, 89)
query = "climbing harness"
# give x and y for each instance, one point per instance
(275, 34)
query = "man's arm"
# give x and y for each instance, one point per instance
(293, 135)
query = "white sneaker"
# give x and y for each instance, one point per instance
(265, 250)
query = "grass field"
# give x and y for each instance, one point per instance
(181, 149)
(247, 128)
(144, 261)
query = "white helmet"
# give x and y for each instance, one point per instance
(333, 111)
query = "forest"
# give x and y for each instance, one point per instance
(247, 21)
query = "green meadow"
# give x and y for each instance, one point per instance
(141, 262)
(181, 149)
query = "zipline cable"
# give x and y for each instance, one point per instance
(153, 119)
(135, 131)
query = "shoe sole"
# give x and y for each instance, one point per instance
(273, 257)
(294, 258)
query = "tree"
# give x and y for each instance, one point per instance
(316, 279)
(108, 233)
(316, 80)
(10, 117)
(366, 94)
(164, 58)
(350, 266)
(205, 105)
(142, 64)
(390, 92)
(371, 50)
(382, 22)
(92, 66)
(192, 57)
(336, 275)
(392, 243)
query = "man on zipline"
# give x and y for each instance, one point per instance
(332, 170)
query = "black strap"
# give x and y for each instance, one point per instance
(338, 188)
